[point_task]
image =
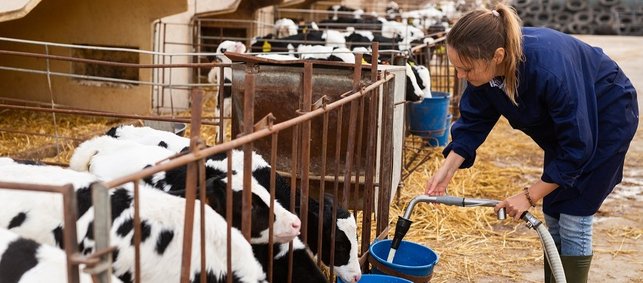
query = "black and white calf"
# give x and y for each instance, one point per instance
(108, 158)
(418, 81)
(24, 260)
(150, 136)
(285, 27)
(346, 262)
(304, 268)
(38, 216)
(226, 81)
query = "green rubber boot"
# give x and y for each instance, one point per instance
(576, 268)
(549, 277)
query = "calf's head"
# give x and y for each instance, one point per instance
(286, 226)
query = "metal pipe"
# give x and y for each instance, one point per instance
(551, 252)
(448, 200)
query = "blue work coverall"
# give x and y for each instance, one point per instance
(575, 103)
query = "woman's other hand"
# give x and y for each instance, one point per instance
(437, 184)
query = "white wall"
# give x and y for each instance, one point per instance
(178, 40)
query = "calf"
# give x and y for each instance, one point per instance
(24, 260)
(365, 38)
(226, 81)
(115, 158)
(345, 261)
(321, 52)
(32, 214)
(150, 136)
(269, 43)
(285, 27)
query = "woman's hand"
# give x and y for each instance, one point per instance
(515, 205)
(437, 184)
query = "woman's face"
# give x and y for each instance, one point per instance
(477, 72)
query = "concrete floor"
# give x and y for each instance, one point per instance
(627, 51)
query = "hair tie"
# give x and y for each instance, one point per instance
(495, 13)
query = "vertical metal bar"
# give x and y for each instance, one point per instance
(293, 190)
(305, 149)
(190, 187)
(386, 160)
(102, 226)
(220, 106)
(137, 234)
(271, 211)
(203, 198)
(248, 124)
(163, 62)
(358, 153)
(322, 186)
(352, 120)
(228, 213)
(371, 153)
(375, 47)
(338, 145)
(70, 240)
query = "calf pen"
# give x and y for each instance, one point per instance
(372, 94)
(367, 100)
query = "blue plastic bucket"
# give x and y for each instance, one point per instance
(378, 278)
(411, 259)
(426, 119)
(442, 140)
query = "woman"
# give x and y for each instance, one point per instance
(569, 97)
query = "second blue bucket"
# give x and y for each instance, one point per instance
(427, 119)
(410, 259)
(378, 278)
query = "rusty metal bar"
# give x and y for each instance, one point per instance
(190, 187)
(371, 153)
(271, 209)
(32, 187)
(202, 223)
(137, 234)
(100, 113)
(229, 217)
(333, 230)
(305, 149)
(352, 121)
(69, 222)
(358, 152)
(322, 186)
(220, 122)
(248, 123)
(293, 189)
(386, 160)
(102, 226)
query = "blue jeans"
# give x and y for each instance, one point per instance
(572, 234)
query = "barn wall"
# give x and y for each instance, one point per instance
(99, 22)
